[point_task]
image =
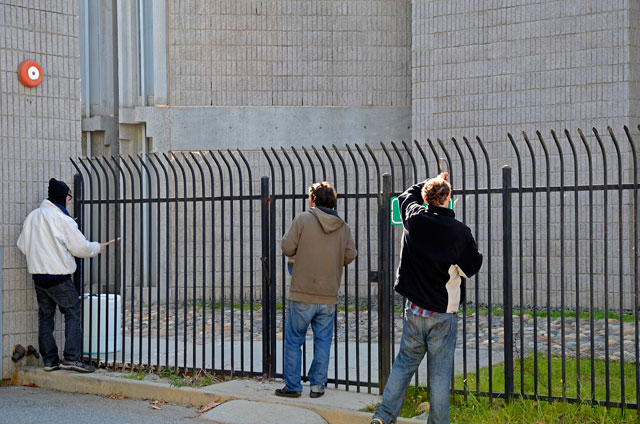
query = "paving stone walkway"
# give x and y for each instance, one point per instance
(610, 337)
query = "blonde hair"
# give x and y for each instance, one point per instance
(435, 191)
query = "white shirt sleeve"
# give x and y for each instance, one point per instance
(75, 241)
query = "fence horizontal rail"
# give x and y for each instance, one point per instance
(553, 189)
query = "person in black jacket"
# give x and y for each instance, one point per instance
(437, 252)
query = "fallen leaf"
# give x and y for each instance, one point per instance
(423, 407)
(116, 397)
(209, 406)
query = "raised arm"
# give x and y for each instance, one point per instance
(410, 199)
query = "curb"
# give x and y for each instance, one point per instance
(100, 384)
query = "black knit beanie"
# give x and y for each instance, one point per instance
(58, 191)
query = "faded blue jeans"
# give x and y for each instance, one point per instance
(299, 316)
(435, 335)
(65, 297)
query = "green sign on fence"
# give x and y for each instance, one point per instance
(396, 219)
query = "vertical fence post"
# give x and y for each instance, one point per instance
(266, 292)
(77, 211)
(384, 280)
(507, 280)
(273, 309)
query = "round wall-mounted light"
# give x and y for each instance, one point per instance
(30, 73)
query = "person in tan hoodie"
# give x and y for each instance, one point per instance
(322, 244)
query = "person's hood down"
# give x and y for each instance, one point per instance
(329, 219)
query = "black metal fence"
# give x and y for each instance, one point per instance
(202, 284)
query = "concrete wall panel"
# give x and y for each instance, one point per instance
(248, 128)
(39, 131)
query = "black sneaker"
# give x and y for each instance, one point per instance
(51, 367)
(76, 366)
(316, 391)
(287, 393)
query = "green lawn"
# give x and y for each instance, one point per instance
(542, 313)
(479, 409)
(600, 387)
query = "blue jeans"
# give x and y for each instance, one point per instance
(435, 335)
(65, 296)
(299, 316)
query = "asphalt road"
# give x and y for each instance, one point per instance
(19, 405)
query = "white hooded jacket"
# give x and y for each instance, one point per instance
(50, 239)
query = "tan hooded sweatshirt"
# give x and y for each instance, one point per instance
(322, 245)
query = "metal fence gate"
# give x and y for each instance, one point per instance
(198, 280)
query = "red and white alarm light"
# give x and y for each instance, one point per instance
(30, 73)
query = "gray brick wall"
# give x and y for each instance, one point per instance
(39, 130)
(483, 68)
(607, 277)
(605, 228)
(634, 65)
(488, 69)
(228, 218)
(466, 69)
(290, 53)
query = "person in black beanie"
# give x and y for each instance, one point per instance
(50, 239)
(58, 191)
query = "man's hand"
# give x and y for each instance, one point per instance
(444, 176)
(102, 246)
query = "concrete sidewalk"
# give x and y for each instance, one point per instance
(228, 356)
(260, 403)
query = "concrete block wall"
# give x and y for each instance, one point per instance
(486, 69)
(194, 268)
(288, 73)
(281, 73)
(608, 253)
(39, 131)
(634, 53)
(192, 259)
(182, 229)
(290, 53)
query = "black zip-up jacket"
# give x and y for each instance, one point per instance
(437, 252)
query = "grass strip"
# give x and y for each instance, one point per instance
(479, 409)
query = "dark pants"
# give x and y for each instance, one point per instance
(65, 296)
